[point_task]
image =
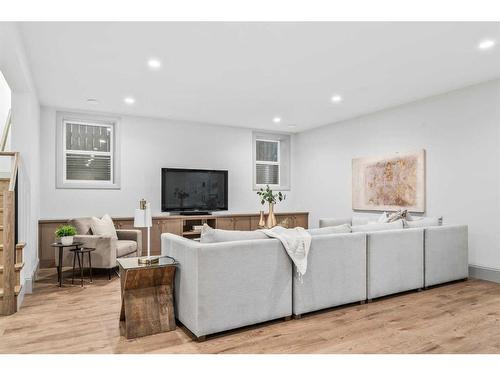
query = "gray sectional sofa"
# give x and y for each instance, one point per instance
(226, 285)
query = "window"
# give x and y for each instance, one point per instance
(87, 156)
(271, 160)
(267, 162)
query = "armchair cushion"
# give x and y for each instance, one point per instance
(131, 235)
(125, 247)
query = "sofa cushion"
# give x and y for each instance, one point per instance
(375, 227)
(125, 247)
(211, 235)
(82, 225)
(344, 228)
(103, 227)
(424, 222)
(361, 220)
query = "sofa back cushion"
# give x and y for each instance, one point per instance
(211, 235)
(344, 228)
(424, 222)
(103, 227)
(82, 225)
(375, 227)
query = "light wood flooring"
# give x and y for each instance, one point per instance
(461, 317)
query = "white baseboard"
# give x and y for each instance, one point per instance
(27, 285)
(484, 273)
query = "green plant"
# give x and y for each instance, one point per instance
(267, 195)
(65, 231)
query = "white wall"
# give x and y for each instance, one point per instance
(25, 137)
(5, 102)
(147, 145)
(460, 132)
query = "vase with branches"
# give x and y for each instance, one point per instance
(267, 195)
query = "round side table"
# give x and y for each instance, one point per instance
(81, 251)
(61, 247)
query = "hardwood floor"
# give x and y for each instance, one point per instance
(456, 318)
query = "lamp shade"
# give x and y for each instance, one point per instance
(142, 218)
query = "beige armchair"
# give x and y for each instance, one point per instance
(107, 249)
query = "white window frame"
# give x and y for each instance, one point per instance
(284, 158)
(94, 120)
(277, 141)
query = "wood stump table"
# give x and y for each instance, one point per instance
(147, 297)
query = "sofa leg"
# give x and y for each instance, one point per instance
(297, 316)
(109, 273)
(201, 338)
(420, 289)
(362, 302)
(369, 300)
(287, 318)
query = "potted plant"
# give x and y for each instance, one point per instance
(65, 233)
(267, 195)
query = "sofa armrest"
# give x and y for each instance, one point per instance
(333, 222)
(131, 235)
(185, 252)
(104, 255)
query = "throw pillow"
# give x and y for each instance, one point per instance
(344, 228)
(82, 225)
(103, 227)
(424, 222)
(400, 214)
(211, 235)
(377, 226)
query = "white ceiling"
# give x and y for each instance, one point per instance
(244, 74)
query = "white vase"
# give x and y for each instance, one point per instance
(68, 240)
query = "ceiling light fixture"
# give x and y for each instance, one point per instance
(486, 44)
(154, 64)
(129, 100)
(336, 98)
(92, 101)
(277, 120)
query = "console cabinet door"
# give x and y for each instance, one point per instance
(302, 221)
(155, 239)
(242, 223)
(172, 226)
(226, 223)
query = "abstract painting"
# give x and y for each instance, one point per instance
(389, 183)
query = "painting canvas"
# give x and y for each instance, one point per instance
(389, 183)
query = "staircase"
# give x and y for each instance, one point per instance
(11, 252)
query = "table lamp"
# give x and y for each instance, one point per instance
(142, 219)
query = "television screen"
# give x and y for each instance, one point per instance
(193, 190)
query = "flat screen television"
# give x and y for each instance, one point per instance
(193, 191)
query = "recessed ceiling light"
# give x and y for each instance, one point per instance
(336, 98)
(277, 120)
(486, 44)
(129, 100)
(92, 101)
(154, 64)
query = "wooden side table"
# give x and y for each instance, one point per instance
(147, 297)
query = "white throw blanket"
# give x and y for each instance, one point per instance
(296, 241)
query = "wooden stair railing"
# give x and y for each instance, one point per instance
(11, 259)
